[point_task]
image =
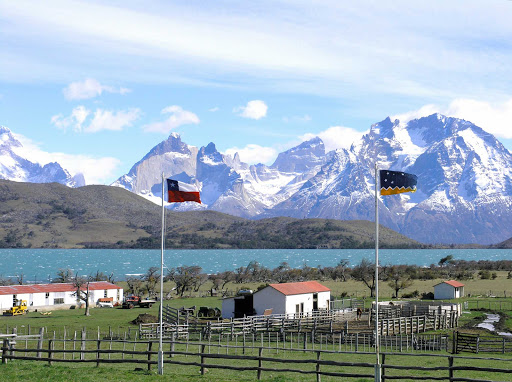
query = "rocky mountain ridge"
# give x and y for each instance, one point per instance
(464, 180)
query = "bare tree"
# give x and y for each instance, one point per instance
(184, 277)
(397, 278)
(82, 292)
(151, 278)
(365, 272)
(134, 285)
(99, 276)
(64, 276)
(19, 278)
(227, 277)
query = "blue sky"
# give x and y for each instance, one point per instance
(96, 85)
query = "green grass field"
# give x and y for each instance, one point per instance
(118, 320)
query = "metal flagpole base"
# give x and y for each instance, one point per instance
(377, 373)
(161, 362)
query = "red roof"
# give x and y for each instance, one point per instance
(58, 287)
(300, 288)
(453, 283)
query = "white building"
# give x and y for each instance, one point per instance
(55, 296)
(448, 290)
(286, 298)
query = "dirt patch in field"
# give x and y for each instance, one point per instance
(145, 319)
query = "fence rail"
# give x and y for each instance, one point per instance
(313, 362)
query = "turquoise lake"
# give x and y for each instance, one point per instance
(40, 265)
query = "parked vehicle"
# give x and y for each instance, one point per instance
(132, 301)
(16, 310)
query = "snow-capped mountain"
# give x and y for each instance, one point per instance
(15, 166)
(227, 184)
(464, 180)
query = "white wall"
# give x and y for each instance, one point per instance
(444, 292)
(324, 300)
(269, 298)
(39, 300)
(228, 307)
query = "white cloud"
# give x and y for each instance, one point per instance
(255, 109)
(253, 154)
(89, 88)
(177, 118)
(75, 120)
(96, 170)
(112, 120)
(214, 109)
(495, 118)
(101, 119)
(336, 137)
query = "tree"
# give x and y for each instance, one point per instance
(185, 277)
(365, 272)
(339, 272)
(397, 278)
(447, 260)
(81, 285)
(151, 278)
(134, 285)
(99, 276)
(64, 276)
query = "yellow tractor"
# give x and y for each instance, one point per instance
(20, 308)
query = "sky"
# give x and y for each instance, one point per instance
(95, 85)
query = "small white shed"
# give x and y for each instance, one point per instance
(286, 298)
(448, 290)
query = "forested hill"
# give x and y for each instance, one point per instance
(51, 215)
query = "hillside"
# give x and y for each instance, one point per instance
(51, 215)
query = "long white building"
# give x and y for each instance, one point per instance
(55, 296)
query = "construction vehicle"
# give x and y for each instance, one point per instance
(18, 309)
(132, 301)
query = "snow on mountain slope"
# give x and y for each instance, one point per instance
(464, 180)
(15, 166)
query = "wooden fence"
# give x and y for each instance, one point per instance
(475, 343)
(343, 365)
(497, 305)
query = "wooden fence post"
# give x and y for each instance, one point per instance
(40, 342)
(260, 351)
(150, 346)
(202, 359)
(318, 376)
(50, 353)
(454, 342)
(382, 368)
(450, 370)
(98, 353)
(5, 349)
(82, 344)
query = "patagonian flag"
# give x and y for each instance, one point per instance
(396, 182)
(182, 192)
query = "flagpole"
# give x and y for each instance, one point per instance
(160, 319)
(377, 350)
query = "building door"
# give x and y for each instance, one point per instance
(315, 301)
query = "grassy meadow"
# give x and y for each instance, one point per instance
(119, 321)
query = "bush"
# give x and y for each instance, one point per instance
(414, 294)
(427, 296)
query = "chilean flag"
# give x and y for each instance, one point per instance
(182, 192)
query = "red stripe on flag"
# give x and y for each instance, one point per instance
(181, 196)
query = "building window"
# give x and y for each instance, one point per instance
(14, 299)
(47, 295)
(118, 295)
(58, 301)
(105, 294)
